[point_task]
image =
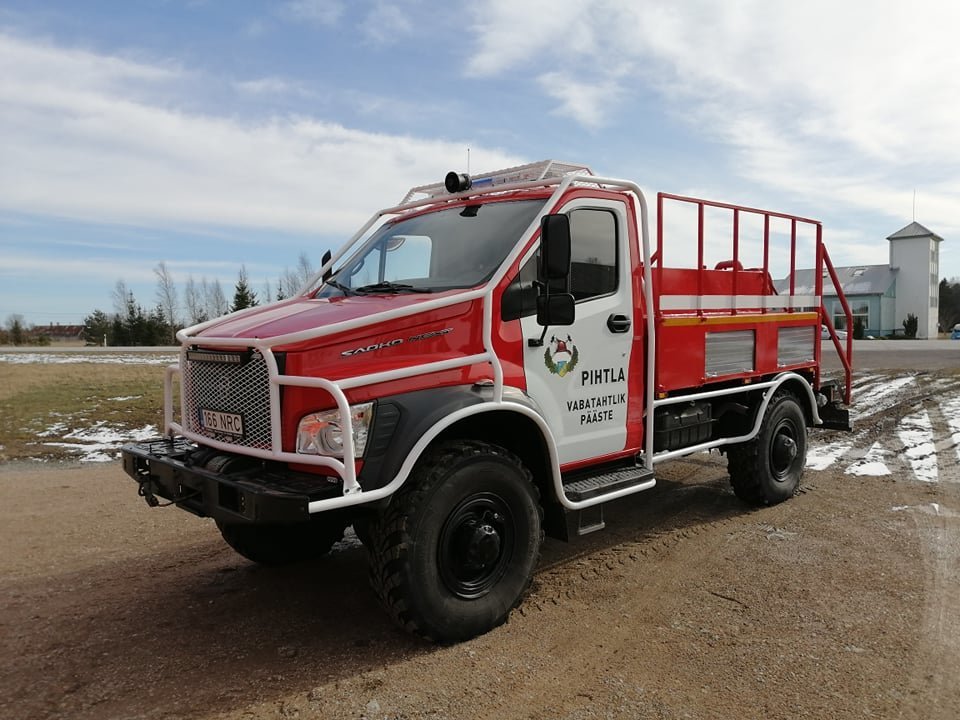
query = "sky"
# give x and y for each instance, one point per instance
(211, 136)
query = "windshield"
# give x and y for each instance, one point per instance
(454, 248)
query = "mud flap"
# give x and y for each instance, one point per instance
(835, 417)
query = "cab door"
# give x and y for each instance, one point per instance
(580, 375)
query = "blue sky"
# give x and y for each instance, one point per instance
(210, 135)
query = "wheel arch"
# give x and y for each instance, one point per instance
(515, 431)
(802, 390)
(514, 427)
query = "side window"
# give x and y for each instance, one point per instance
(593, 267)
(520, 297)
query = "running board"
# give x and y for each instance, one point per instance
(594, 486)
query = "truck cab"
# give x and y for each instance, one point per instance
(492, 359)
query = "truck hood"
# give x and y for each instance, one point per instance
(296, 315)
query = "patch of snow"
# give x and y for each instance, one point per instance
(950, 408)
(927, 509)
(101, 442)
(920, 452)
(124, 398)
(55, 429)
(147, 432)
(823, 456)
(79, 357)
(871, 463)
(872, 396)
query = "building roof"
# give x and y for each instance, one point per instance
(855, 280)
(914, 230)
(57, 331)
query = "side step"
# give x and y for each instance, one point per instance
(592, 486)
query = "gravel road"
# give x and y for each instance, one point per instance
(843, 602)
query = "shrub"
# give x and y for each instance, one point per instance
(910, 326)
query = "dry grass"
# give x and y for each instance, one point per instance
(59, 399)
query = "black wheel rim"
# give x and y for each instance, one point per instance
(783, 450)
(476, 545)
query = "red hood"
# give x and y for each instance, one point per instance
(291, 316)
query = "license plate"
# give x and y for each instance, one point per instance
(222, 422)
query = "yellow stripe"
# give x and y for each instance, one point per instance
(739, 319)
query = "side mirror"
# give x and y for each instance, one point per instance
(554, 248)
(556, 309)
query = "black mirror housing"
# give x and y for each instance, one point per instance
(323, 261)
(556, 309)
(554, 248)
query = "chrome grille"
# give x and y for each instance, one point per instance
(231, 388)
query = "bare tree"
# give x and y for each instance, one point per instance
(195, 300)
(121, 299)
(288, 284)
(215, 301)
(304, 270)
(167, 297)
(293, 281)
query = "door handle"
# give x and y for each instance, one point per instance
(618, 323)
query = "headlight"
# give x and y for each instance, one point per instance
(322, 433)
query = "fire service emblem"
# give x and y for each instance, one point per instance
(561, 356)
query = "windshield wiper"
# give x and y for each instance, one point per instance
(342, 288)
(389, 287)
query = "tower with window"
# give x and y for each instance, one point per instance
(915, 255)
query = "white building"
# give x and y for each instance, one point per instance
(882, 296)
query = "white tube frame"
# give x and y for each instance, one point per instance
(346, 468)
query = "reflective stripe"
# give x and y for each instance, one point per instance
(730, 302)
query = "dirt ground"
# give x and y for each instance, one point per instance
(842, 603)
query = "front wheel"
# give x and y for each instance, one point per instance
(767, 470)
(455, 551)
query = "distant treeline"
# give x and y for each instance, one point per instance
(132, 324)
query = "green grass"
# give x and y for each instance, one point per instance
(65, 398)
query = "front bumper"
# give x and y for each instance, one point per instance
(176, 470)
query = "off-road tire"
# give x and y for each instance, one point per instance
(455, 550)
(276, 545)
(767, 470)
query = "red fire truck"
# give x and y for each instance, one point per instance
(491, 360)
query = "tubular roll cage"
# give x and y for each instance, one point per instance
(345, 468)
(792, 302)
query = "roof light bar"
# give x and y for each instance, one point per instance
(461, 182)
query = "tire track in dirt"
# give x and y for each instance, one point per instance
(934, 677)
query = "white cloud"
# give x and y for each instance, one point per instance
(509, 33)
(320, 12)
(386, 24)
(272, 86)
(845, 103)
(588, 103)
(103, 139)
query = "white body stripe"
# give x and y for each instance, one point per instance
(737, 302)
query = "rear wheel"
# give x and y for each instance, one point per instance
(276, 545)
(455, 551)
(767, 470)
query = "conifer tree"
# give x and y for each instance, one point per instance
(243, 296)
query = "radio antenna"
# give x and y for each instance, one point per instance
(468, 161)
